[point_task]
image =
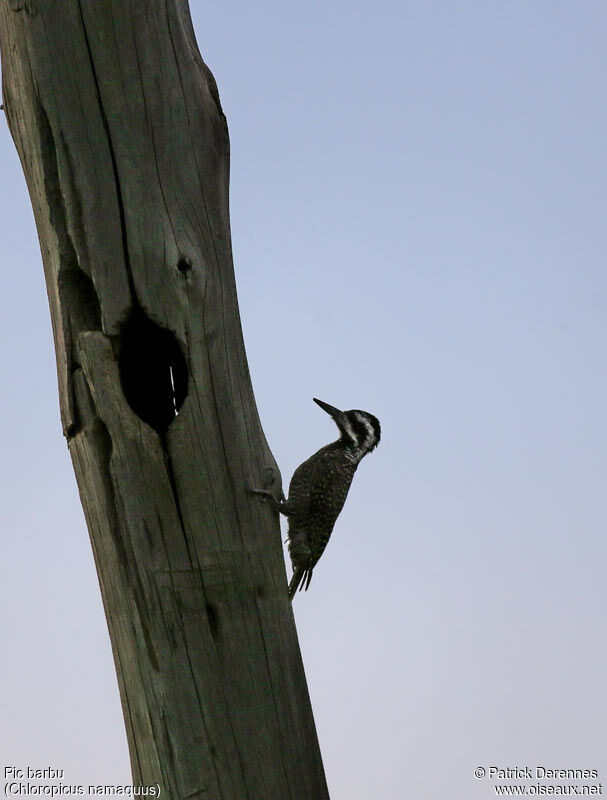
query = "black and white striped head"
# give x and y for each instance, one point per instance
(360, 431)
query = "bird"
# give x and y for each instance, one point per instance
(319, 488)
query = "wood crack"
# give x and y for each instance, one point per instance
(112, 152)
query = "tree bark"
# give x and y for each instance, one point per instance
(125, 150)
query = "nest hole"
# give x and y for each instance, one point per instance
(153, 371)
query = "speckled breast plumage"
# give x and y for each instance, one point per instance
(317, 493)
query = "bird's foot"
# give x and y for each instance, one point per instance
(276, 501)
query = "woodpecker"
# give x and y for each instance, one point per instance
(319, 488)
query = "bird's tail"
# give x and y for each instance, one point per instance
(300, 580)
(298, 576)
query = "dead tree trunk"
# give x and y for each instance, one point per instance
(124, 146)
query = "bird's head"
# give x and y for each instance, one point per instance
(360, 431)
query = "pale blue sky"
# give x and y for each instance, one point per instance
(418, 204)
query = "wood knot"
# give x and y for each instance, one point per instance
(24, 5)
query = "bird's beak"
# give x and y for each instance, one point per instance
(334, 412)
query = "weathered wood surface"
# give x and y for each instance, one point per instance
(125, 151)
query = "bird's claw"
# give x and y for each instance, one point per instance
(267, 495)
